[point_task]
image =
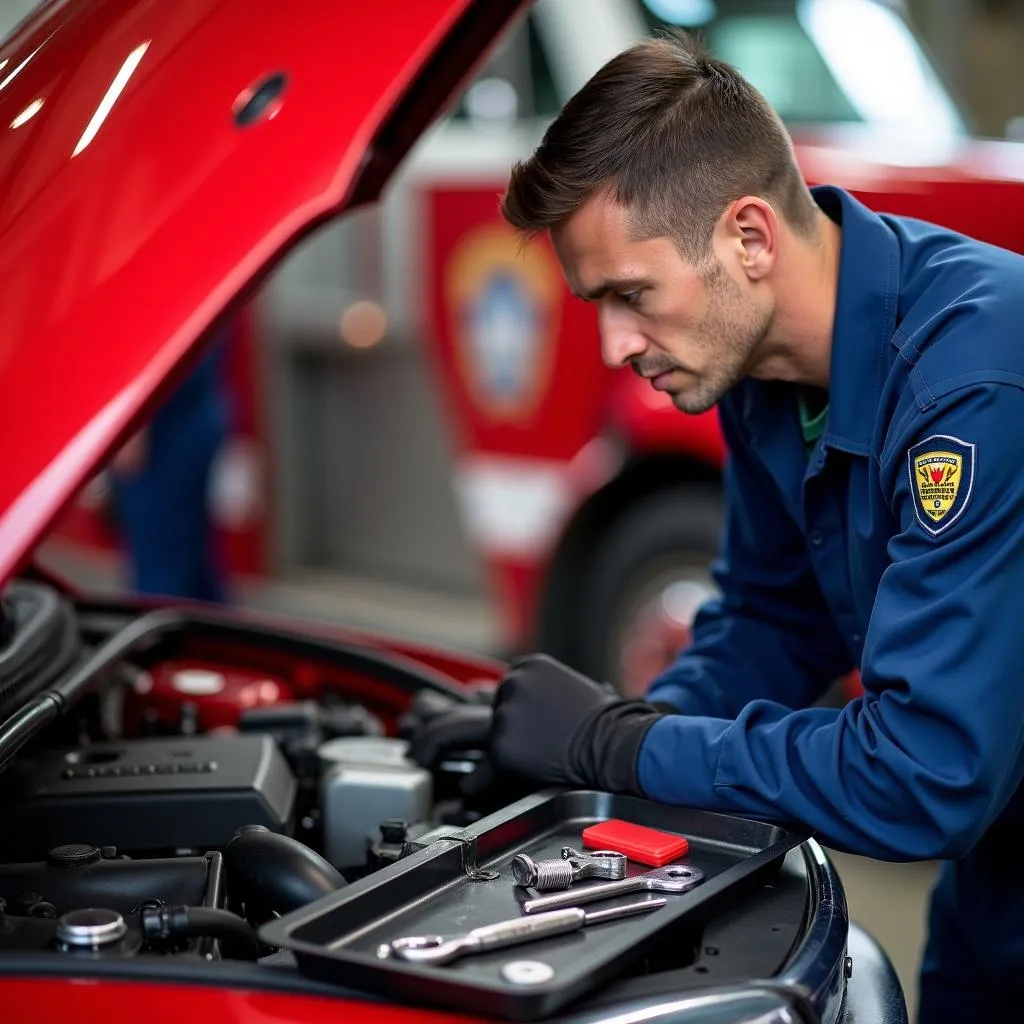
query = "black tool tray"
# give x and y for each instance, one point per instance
(439, 890)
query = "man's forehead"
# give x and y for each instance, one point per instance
(597, 222)
(592, 242)
(599, 252)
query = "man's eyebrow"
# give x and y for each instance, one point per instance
(617, 284)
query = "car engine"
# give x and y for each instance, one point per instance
(178, 778)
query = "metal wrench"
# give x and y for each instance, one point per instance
(441, 949)
(675, 878)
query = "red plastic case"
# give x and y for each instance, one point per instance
(639, 843)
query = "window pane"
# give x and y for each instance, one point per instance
(777, 56)
(515, 84)
(773, 51)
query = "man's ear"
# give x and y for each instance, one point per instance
(748, 231)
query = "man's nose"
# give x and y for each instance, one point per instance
(620, 341)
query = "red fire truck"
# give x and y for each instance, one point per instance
(422, 407)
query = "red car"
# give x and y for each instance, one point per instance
(208, 815)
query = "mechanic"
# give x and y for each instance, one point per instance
(868, 372)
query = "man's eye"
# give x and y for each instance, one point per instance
(631, 298)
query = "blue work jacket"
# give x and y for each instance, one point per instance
(896, 545)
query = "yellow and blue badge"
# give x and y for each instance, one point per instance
(941, 480)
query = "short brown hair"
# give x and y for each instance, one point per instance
(675, 134)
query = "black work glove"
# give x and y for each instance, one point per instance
(437, 726)
(557, 726)
(459, 726)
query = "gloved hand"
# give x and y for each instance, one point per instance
(557, 726)
(437, 726)
(463, 726)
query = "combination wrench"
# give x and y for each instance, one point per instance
(674, 878)
(442, 949)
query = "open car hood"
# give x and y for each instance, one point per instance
(156, 160)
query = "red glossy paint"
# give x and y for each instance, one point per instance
(260, 675)
(972, 186)
(126, 237)
(219, 693)
(55, 1001)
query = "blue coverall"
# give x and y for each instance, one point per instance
(897, 546)
(163, 509)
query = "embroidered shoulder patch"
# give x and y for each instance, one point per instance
(941, 480)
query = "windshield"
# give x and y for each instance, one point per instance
(822, 61)
(12, 12)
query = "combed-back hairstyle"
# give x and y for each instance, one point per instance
(675, 135)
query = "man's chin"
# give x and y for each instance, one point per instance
(692, 405)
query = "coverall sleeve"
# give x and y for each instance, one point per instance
(922, 764)
(769, 634)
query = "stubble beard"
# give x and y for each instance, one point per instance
(732, 328)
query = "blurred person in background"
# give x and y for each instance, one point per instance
(869, 379)
(160, 482)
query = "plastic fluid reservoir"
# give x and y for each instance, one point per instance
(365, 780)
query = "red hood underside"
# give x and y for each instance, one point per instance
(135, 211)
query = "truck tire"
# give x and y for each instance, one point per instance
(655, 555)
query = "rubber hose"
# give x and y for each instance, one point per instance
(276, 872)
(195, 922)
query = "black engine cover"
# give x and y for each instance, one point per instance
(146, 795)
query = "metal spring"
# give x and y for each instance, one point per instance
(543, 875)
(553, 874)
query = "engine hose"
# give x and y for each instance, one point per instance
(274, 872)
(163, 923)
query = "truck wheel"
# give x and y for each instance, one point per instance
(647, 577)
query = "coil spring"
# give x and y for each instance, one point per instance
(543, 875)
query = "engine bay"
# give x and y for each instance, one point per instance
(177, 779)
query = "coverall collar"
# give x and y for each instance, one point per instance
(865, 320)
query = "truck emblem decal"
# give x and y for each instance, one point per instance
(503, 298)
